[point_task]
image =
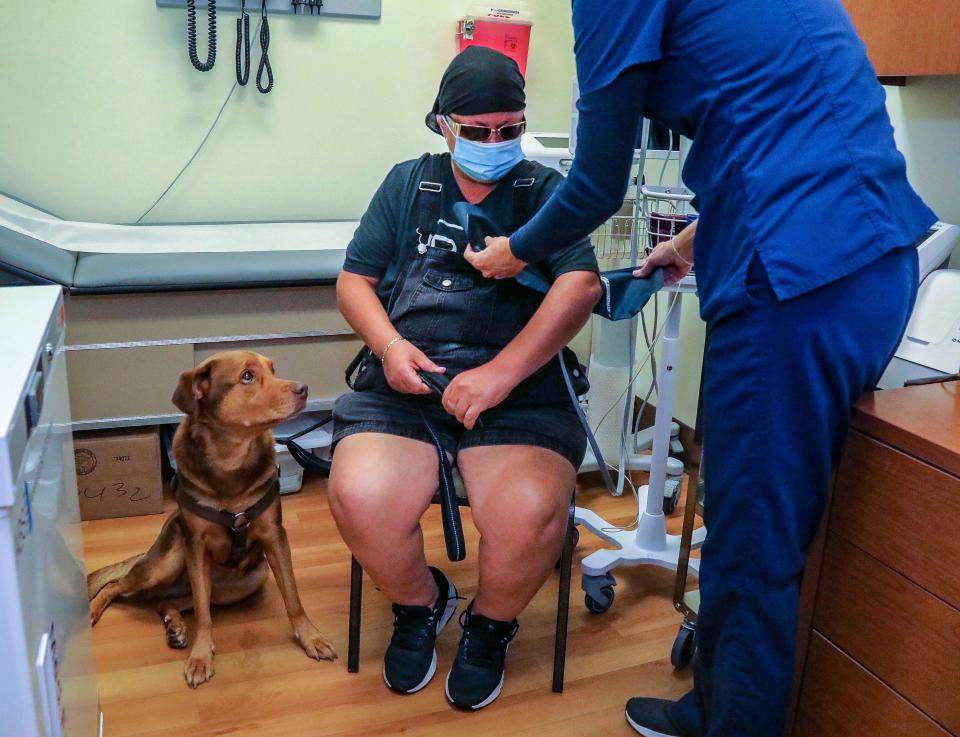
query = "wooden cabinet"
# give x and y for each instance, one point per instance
(909, 38)
(881, 640)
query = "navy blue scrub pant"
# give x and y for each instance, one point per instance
(780, 380)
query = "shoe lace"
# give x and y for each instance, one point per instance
(484, 644)
(413, 627)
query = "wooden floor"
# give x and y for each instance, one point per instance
(265, 687)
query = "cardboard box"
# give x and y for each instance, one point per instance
(118, 473)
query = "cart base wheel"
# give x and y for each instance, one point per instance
(683, 647)
(671, 496)
(602, 604)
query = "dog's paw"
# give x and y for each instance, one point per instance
(97, 608)
(176, 635)
(199, 668)
(314, 644)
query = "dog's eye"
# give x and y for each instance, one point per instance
(247, 377)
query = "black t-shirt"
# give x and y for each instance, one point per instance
(390, 223)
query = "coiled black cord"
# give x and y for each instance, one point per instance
(203, 66)
(243, 45)
(264, 47)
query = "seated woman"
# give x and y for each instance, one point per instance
(505, 418)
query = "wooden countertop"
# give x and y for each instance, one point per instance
(923, 421)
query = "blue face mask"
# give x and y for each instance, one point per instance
(487, 162)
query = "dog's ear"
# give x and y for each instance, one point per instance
(192, 387)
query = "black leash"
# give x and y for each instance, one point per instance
(301, 455)
(449, 505)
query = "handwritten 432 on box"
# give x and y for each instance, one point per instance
(118, 473)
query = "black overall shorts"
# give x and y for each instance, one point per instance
(460, 320)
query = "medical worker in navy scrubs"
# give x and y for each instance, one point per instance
(807, 273)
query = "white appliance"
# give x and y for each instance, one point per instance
(550, 149)
(47, 665)
(931, 344)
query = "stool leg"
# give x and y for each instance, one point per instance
(563, 607)
(356, 597)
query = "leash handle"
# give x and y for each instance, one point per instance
(449, 505)
(438, 384)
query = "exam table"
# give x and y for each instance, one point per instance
(145, 302)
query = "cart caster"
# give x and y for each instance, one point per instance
(683, 647)
(599, 606)
(676, 448)
(599, 592)
(671, 496)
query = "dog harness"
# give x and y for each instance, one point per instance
(235, 523)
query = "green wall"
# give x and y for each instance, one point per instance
(100, 107)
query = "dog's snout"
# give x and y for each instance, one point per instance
(299, 389)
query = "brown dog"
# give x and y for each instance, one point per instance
(215, 548)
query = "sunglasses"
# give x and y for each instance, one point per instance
(481, 133)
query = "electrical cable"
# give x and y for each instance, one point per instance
(243, 45)
(202, 66)
(196, 151)
(30, 204)
(656, 340)
(264, 48)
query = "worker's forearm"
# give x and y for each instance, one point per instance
(362, 309)
(563, 312)
(684, 240)
(594, 189)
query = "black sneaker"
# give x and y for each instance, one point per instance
(476, 677)
(651, 717)
(411, 658)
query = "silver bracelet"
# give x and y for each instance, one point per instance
(398, 339)
(673, 245)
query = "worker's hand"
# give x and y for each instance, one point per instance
(673, 257)
(476, 391)
(496, 261)
(400, 367)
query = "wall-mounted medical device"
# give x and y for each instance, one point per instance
(360, 9)
(369, 9)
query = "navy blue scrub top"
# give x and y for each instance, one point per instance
(793, 152)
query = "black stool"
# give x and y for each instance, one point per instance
(563, 601)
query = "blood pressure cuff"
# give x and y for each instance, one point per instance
(624, 295)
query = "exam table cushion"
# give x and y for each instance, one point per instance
(103, 272)
(35, 260)
(37, 247)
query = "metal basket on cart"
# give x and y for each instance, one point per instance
(613, 241)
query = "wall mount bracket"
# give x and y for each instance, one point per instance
(359, 9)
